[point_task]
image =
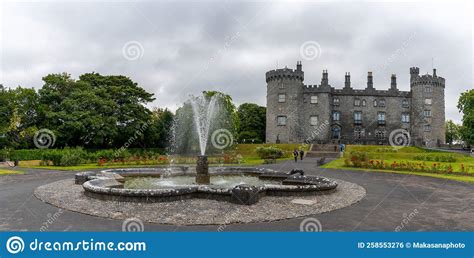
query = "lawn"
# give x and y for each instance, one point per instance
(461, 166)
(246, 153)
(9, 172)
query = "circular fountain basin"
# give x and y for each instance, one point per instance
(234, 184)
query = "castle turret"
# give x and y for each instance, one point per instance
(284, 87)
(393, 83)
(347, 82)
(414, 72)
(370, 81)
(325, 79)
(427, 108)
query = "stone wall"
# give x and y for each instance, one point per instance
(298, 109)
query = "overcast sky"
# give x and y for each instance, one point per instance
(174, 49)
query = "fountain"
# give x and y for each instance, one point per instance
(241, 185)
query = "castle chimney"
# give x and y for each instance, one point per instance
(434, 72)
(414, 72)
(348, 80)
(370, 81)
(393, 85)
(325, 80)
(298, 66)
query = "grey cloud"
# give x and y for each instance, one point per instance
(228, 46)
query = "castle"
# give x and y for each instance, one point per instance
(299, 113)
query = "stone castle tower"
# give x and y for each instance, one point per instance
(321, 113)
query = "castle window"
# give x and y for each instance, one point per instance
(336, 115)
(427, 128)
(335, 101)
(357, 117)
(427, 113)
(281, 120)
(405, 103)
(336, 132)
(428, 89)
(313, 120)
(405, 118)
(380, 134)
(358, 132)
(364, 103)
(314, 99)
(357, 102)
(428, 101)
(381, 118)
(382, 103)
(281, 98)
(375, 103)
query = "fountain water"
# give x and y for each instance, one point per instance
(204, 110)
(193, 123)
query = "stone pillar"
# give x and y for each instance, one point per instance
(202, 171)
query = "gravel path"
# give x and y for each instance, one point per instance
(66, 195)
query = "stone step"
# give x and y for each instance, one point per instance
(323, 154)
(325, 147)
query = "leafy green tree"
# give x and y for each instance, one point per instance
(453, 132)
(252, 123)
(95, 111)
(18, 116)
(466, 106)
(158, 134)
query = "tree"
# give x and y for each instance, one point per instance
(158, 134)
(452, 132)
(95, 111)
(18, 116)
(466, 106)
(252, 123)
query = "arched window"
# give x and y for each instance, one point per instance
(336, 115)
(375, 103)
(364, 103)
(336, 132)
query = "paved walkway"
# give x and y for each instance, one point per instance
(411, 203)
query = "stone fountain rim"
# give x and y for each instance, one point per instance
(106, 184)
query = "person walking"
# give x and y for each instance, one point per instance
(301, 154)
(295, 155)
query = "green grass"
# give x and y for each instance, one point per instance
(9, 172)
(247, 151)
(407, 154)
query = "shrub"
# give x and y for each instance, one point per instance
(436, 157)
(64, 157)
(269, 152)
(359, 158)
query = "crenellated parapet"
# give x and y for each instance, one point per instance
(284, 73)
(428, 79)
